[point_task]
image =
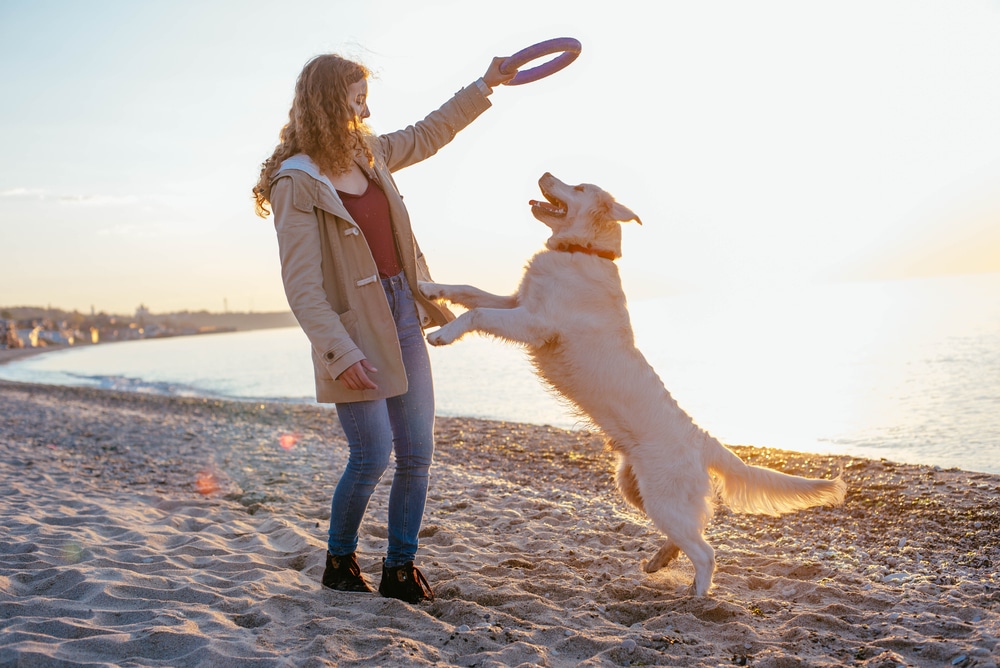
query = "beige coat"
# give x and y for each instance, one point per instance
(330, 278)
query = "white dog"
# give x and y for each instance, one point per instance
(570, 313)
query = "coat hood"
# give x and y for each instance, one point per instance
(303, 163)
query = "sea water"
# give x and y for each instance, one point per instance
(903, 370)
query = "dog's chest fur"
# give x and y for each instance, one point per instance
(589, 347)
(576, 287)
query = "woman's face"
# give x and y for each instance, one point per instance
(357, 98)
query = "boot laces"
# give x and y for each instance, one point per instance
(353, 568)
(421, 582)
(347, 562)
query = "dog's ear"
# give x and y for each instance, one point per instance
(623, 214)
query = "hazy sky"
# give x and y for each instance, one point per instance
(759, 141)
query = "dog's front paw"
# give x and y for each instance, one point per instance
(431, 290)
(440, 337)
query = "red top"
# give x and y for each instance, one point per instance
(370, 210)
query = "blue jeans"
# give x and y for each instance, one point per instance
(374, 429)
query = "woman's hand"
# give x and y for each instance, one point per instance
(494, 77)
(355, 377)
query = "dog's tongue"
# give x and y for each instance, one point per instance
(548, 206)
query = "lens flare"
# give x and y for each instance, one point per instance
(206, 483)
(288, 441)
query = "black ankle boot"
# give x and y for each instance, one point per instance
(406, 583)
(343, 573)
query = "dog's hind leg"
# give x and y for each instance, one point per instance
(682, 513)
(702, 556)
(667, 553)
(627, 483)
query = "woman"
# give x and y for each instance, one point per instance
(350, 266)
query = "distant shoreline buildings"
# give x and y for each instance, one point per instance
(33, 327)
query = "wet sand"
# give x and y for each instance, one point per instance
(11, 354)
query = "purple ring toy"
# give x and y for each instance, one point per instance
(567, 47)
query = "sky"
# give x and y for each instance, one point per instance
(761, 143)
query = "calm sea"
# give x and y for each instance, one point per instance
(905, 370)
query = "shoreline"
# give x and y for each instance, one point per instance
(149, 529)
(11, 354)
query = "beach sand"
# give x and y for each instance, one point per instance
(142, 530)
(11, 354)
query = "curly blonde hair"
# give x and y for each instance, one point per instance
(321, 124)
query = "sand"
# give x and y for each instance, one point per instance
(11, 354)
(141, 530)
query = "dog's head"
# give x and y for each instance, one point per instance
(581, 216)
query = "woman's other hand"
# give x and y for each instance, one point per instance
(494, 77)
(355, 377)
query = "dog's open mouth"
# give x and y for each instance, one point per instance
(552, 206)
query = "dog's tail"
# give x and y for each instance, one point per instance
(754, 489)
